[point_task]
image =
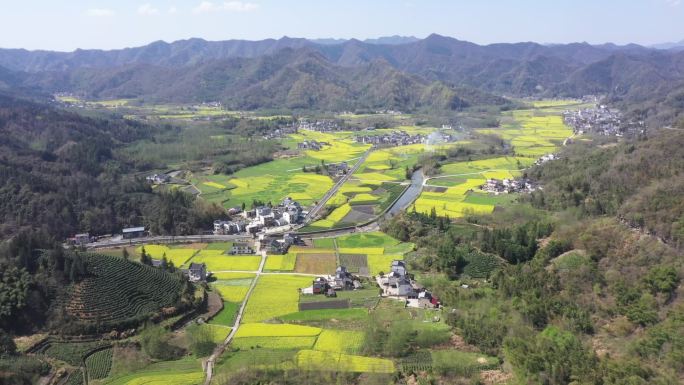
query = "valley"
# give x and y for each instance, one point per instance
(396, 211)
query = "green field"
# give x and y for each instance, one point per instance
(338, 362)
(177, 256)
(226, 316)
(274, 181)
(232, 290)
(275, 295)
(217, 261)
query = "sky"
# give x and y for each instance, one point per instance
(71, 24)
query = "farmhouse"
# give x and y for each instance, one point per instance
(158, 179)
(337, 169)
(133, 232)
(311, 145)
(241, 248)
(197, 272)
(229, 227)
(341, 280)
(399, 285)
(80, 239)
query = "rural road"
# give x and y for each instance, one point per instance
(165, 239)
(209, 365)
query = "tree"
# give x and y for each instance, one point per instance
(155, 342)
(144, 258)
(662, 279)
(201, 341)
(7, 346)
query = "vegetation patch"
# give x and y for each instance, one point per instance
(316, 263)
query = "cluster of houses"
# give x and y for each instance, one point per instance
(158, 178)
(329, 285)
(546, 158)
(399, 284)
(312, 145)
(276, 244)
(394, 138)
(321, 125)
(288, 212)
(282, 131)
(401, 138)
(507, 186)
(602, 120)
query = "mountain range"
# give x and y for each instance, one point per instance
(394, 72)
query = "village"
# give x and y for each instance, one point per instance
(401, 138)
(283, 215)
(509, 186)
(602, 120)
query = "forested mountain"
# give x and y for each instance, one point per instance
(437, 72)
(61, 173)
(296, 79)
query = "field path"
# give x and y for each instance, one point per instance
(209, 365)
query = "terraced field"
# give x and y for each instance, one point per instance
(133, 290)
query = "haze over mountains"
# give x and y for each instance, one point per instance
(404, 73)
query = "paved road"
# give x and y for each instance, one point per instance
(209, 364)
(321, 203)
(165, 239)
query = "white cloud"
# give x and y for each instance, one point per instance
(674, 3)
(173, 10)
(100, 12)
(226, 6)
(147, 10)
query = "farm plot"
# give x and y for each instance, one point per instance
(373, 239)
(380, 263)
(233, 290)
(355, 263)
(274, 342)
(227, 315)
(217, 261)
(133, 290)
(276, 330)
(331, 361)
(280, 262)
(273, 296)
(311, 263)
(70, 352)
(339, 341)
(177, 256)
(351, 314)
(99, 364)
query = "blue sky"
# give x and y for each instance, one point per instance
(67, 25)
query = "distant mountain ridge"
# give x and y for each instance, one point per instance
(292, 78)
(254, 74)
